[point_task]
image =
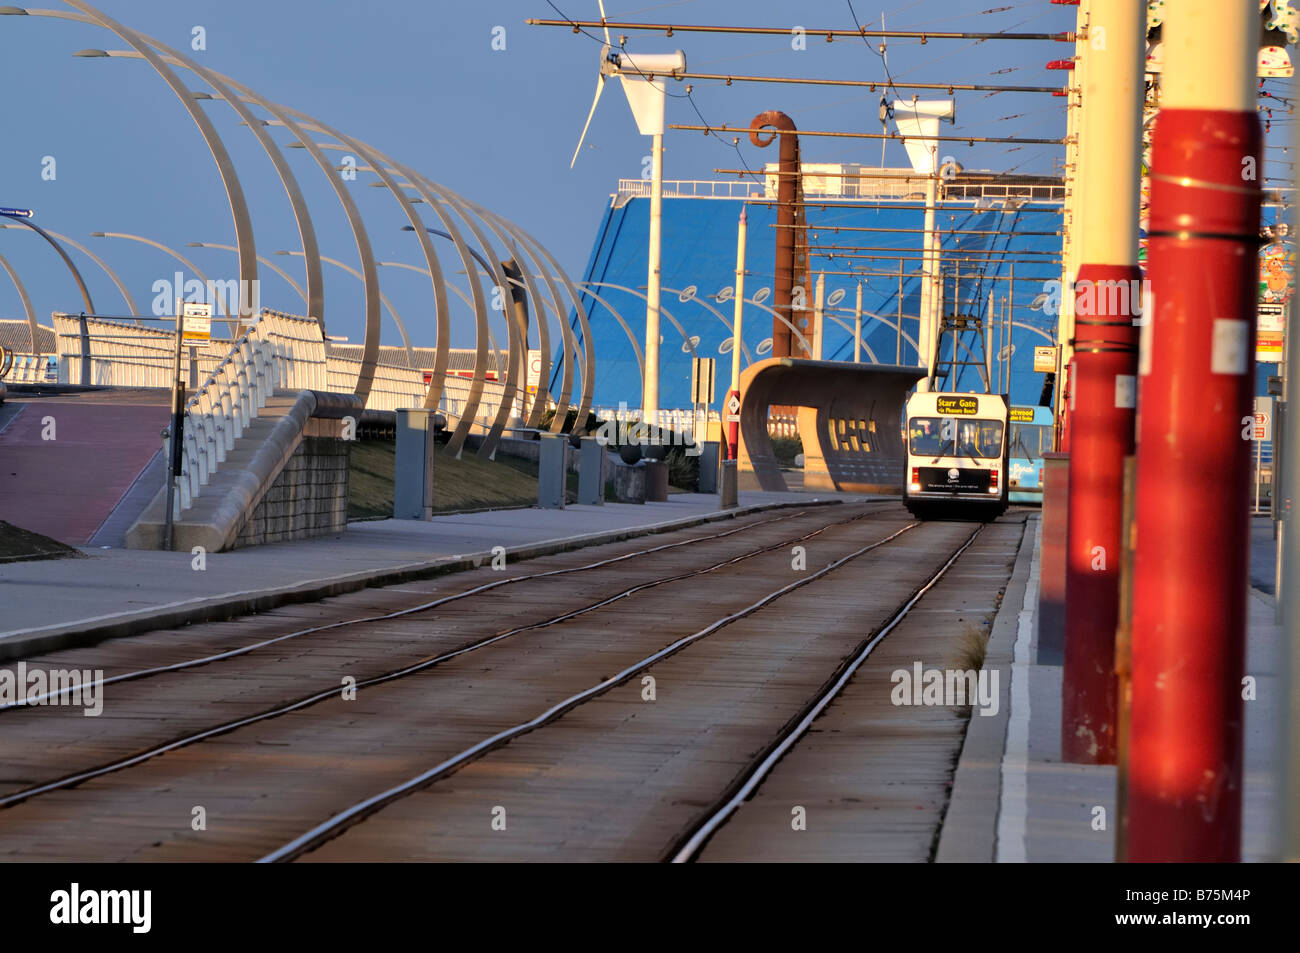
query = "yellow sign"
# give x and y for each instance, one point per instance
(1022, 415)
(196, 322)
(966, 406)
(1045, 359)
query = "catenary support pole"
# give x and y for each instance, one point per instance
(1104, 386)
(1196, 383)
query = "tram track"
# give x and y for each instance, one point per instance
(616, 779)
(744, 787)
(431, 718)
(412, 610)
(301, 702)
(358, 812)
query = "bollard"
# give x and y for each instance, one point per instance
(591, 472)
(729, 498)
(551, 470)
(413, 467)
(710, 451)
(629, 483)
(656, 481)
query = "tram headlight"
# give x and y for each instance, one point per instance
(915, 485)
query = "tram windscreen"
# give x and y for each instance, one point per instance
(1030, 441)
(950, 437)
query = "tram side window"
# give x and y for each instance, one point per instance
(1030, 441)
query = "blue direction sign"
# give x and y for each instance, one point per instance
(16, 212)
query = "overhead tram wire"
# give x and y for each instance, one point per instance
(870, 85)
(971, 140)
(668, 29)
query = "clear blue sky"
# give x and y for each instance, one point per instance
(421, 80)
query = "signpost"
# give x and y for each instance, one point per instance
(702, 379)
(1263, 430)
(1268, 337)
(1045, 359)
(193, 324)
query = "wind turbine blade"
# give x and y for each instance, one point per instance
(600, 88)
(601, 4)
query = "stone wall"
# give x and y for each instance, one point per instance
(310, 495)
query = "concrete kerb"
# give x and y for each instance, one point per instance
(969, 830)
(27, 642)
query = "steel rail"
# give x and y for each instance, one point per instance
(443, 600)
(422, 665)
(691, 845)
(339, 822)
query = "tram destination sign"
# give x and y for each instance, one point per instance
(1022, 415)
(965, 406)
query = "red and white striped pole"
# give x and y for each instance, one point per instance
(1103, 371)
(731, 411)
(1195, 411)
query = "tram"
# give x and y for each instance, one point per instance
(956, 455)
(1030, 436)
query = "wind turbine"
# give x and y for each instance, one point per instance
(642, 80)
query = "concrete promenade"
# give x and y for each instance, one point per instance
(53, 604)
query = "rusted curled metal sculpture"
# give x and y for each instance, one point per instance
(791, 267)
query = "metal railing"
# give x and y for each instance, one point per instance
(831, 185)
(217, 415)
(120, 354)
(29, 368)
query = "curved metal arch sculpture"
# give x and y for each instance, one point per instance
(544, 336)
(527, 285)
(225, 167)
(397, 318)
(456, 444)
(67, 260)
(469, 302)
(121, 288)
(161, 57)
(113, 276)
(27, 302)
(588, 344)
(262, 259)
(627, 330)
(315, 296)
(517, 354)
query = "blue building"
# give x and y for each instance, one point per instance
(993, 228)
